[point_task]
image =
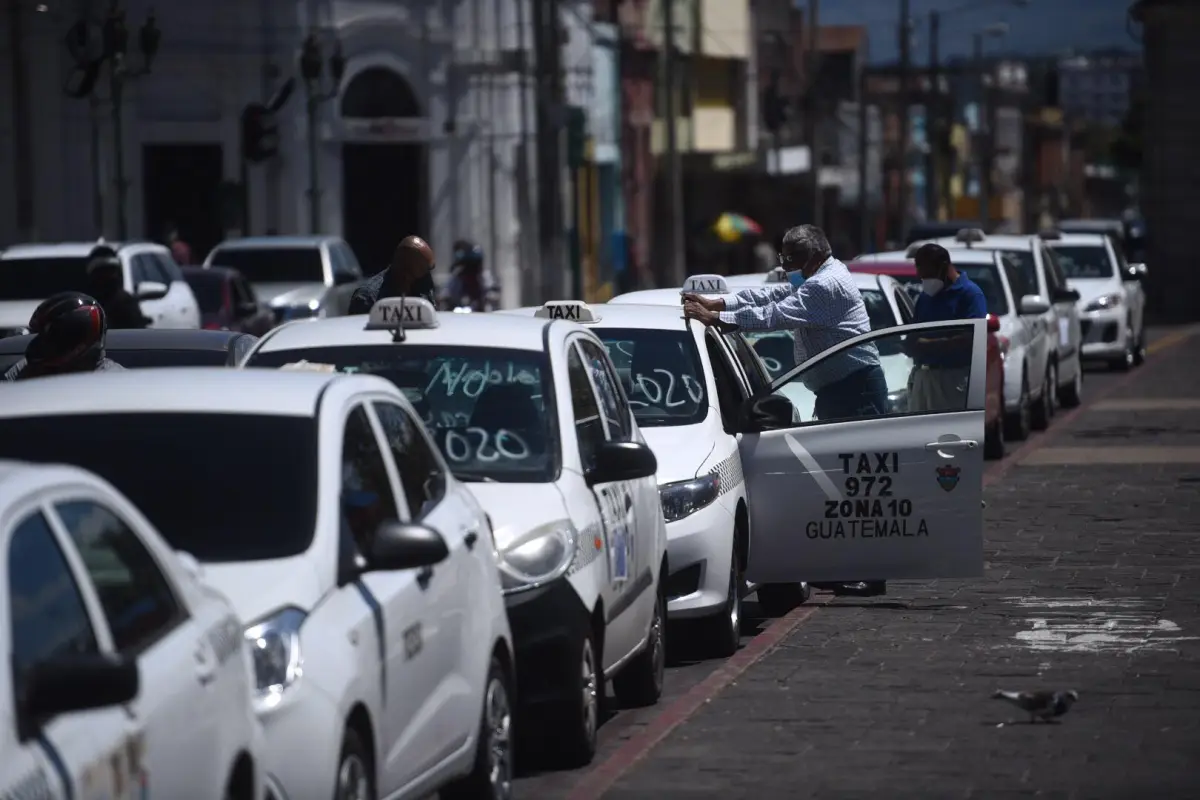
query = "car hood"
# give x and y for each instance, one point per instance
(1090, 289)
(288, 294)
(260, 588)
(16, 313)
(681, 450)
(515, 508)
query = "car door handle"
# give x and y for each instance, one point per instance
(424, 576)
(470, 538)
(960, 444)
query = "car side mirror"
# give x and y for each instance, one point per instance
(765, 413)
(73, 683)
(1137, 272)
(151, 290)
(405, 545)
(622, 461)
(993, 323)
(1066, 296)
(1034, 304)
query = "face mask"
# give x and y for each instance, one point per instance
(796, 278)
(932, 286)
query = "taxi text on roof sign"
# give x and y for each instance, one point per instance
(705, 284)
(573, 310)
(392, 313)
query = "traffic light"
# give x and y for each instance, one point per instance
(260, 136)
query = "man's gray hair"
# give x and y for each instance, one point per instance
(808, 242)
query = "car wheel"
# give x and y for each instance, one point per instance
(1072, 395)
(1017, 424)
(1139, 353)
(355, 777)
(777, 599)
(993, 442)
(1043, 411)
(641, 682)
(492, 776)
(575, 739)
(721, 634)
(1128, 357)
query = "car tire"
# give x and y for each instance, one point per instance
(640, 683)
(1071, 395)
(721, 633)
(573, 737)
(492, 775)
(993, 441)
(1128, 357)
(777, 599)
(1017, 425)
(355, 779)
(1043, 410)
(1139, 353)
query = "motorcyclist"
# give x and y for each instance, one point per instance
(106, 282)
(470, 286)
(69, 330)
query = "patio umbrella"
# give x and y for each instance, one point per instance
(732, 227)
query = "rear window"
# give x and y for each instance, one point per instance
(273, 264)
(39, 278)
(1084, 261)
(209, 289)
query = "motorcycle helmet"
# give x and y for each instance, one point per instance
(467, 253)
(69, 330)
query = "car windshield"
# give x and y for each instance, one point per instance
(205, 503)
(209, 288)
(486, 407)
(272, 264)
(661, 373)
(1087, 261)
(1022, 264)
(39, 278)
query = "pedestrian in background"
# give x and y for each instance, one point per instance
(181, 251)
(106, 283)
(941, 369)
(823, 311)
(409, 275)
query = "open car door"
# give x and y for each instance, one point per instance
(867, 496)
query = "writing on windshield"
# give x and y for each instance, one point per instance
(486, 407)
(661, 373)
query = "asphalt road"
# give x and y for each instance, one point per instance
(693, 681)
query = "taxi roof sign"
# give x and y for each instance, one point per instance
(571, 310)
(705, 284)
(970, 235)
(397, 314)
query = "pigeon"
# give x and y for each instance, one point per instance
(1042, 706)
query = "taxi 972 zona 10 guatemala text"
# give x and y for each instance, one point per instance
(869, 509)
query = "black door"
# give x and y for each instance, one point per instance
(383, 199)
(181, 185)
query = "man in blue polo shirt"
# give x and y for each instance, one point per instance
(942, 362)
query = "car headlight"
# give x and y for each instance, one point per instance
(275, 646)
(1105, 302)
(537, 557)
(310, 309)
(684, 498)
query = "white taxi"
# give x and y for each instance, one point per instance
(1112, 300)
(889, 497)
(530, 414)
(363, 569)
(685, 386)
(124, 675)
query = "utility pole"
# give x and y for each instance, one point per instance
(22, 136)
(983, 158)
(312, 66)
(864, 150)
(905, 102)
(812, 112)
(549, 112)
(933, 120)
(674, 170)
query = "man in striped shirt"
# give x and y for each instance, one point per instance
(823, 311)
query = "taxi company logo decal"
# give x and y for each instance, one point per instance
(947, 477)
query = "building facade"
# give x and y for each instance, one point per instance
(423, 134)
(1098, 88)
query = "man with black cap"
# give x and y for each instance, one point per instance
(409, 275)
(106, 283)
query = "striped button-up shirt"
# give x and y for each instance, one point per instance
(826, 310)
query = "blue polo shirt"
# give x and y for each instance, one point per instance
(962, 299)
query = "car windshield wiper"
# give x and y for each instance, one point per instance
(474, 477)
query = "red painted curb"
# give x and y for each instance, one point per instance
(601, 777)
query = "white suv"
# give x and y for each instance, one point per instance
(127, 671)
(1112, 301)
(30, 273)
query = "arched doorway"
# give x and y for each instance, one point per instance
(384, 188)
